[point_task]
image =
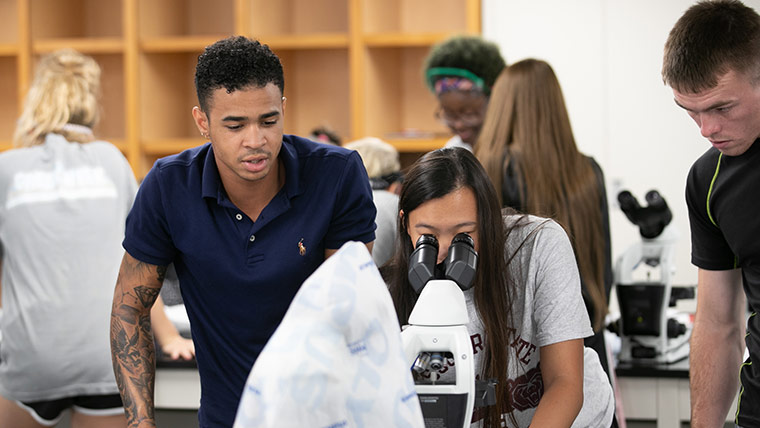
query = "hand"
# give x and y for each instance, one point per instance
(179, 347)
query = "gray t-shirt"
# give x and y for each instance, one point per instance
(456, 141)
(548, 308)
(62, 211)
(385, 234)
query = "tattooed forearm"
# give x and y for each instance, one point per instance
(132, 346)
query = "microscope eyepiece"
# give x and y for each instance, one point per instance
(654, 199)
(422, 262)
(459, 266)
(427, 240)
(465, 238)
(650, 219)
(628, 202)
(462, 261)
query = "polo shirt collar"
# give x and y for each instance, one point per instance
(211, 183)
(289, 157)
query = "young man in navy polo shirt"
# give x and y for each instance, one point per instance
(245, 219)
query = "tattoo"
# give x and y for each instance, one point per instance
(147, 295)
(132, 346)
(128, 314)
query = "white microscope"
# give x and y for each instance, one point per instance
(437, 332)
(649, 329)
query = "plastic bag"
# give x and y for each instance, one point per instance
(336, 360)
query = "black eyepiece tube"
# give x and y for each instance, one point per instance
(422, 262)
(654, 199)
(462, 261)
(650, 219)
(628, 204)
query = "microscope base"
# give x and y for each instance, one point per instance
(634, 350)
(444, 410)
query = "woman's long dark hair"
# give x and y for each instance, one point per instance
(433, 176)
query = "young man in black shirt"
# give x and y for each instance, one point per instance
(712, 63)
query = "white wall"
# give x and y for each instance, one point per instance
(607, 55)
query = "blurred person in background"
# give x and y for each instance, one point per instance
(528, 149)
(323, 134)
(384, 170)
(64, 198)
(460, 72)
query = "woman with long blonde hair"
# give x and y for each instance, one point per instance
(528, 149)
(64, 198)
(63, 99)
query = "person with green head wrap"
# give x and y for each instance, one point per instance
(460, 71)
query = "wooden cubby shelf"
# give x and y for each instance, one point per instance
(413, 145)
(8, 49)
(102, 45)
(403, 40)
(352, 65)
(177, 44)
(317, 41)
(160, 147)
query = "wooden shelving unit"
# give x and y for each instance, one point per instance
(352, 65)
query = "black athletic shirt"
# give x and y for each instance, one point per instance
(723, 196)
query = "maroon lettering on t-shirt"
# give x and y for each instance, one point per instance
(477, 343)
(523, 349)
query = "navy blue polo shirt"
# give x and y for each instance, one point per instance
(238, 277)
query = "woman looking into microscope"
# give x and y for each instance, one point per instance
(527, 318)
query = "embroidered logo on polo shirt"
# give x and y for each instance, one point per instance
(301, 248)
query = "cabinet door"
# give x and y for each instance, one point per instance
(316, 88)
(185, 19)
(410, 17)
(297, 18)
(89, 26)
(311, 37)
(94, 28)
(172, 33)
(397, 36)
(167, 97)
(9, 110)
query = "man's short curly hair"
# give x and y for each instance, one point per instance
(471, 53)
(235, 63)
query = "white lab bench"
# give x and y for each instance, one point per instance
(657, 393)
(177, 388)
